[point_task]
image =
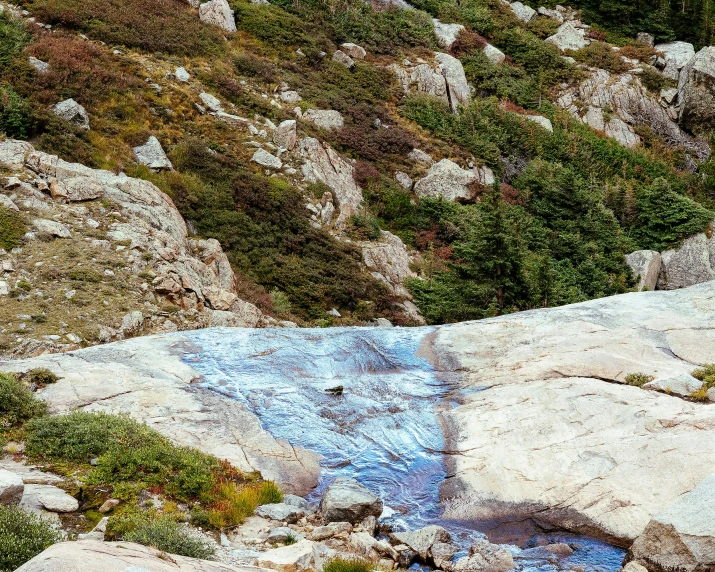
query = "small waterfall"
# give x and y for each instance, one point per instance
(381, 430)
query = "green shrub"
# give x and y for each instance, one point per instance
(152, 25)
(638, 379)
(22, 537)
(161, 532)
(126, 452)
(41, 376)
(706, 374)
(15, 113)
(12, 228)
(280, 301)
(270, 24)
(17, 403)
(13, 39)
(600, 55)
(85, 275)
(654, 81)
(348, 565)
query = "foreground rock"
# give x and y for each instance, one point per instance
(346, 500)
(218, 13)
(555, 437)
(147, 379)
(681, 538)
(94, 556)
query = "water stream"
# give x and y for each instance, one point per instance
(383, 430)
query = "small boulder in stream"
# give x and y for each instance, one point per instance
(346, 500)
(422, 540)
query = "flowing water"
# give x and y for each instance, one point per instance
(383, 430)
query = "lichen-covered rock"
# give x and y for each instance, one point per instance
(285, 134)
(458, 90)
(677, 55)
(51, 227)
(76, 189)
(544, 122)
(353, 50)
(265, 159)
(422, 540)
(696, 92)
(448, 180)
(343, 59)
(446, 33)
(525, 13)
(568, 37)
(687, 265)
(388, 261)
(494, 55)
(326, 118)
(280, 511)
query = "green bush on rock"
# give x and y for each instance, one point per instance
(17, 403)
(22, 536)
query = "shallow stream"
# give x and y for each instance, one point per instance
(383, 430)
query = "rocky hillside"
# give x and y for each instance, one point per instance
(355, 163)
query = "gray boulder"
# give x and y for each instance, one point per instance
(285, 134)
(346, 500)
(152, 155)
(645, 38)
(326, 118)
(696, 92)
(211, 102)
(218, 13)
(422, 540)
(677, 55)
(39, 65)
(265, 159)
(76, 189)
(11, 488)
(681, 538)
(51, 227)
(353, 50)
(343, 59)
(71, 111)
(683, 385)
(544, 122)
(331, 530)
(687, 265)
(446, 33)
(645, 265)
(568, 37)
(281, 534)
(494, 55)
(458, 90)
(280, 511)
(525, 13)
(448, 180)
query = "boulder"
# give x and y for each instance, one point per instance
(285, 134)
(680, 538)
(458, 90)
(448, 180)
(75, 189)
(326, 118)
(419, 156)
(494, 55)
(645, 265)
(346, 500)
(568, 37)
(211, 102)
(290, 96)
(645, 38)
(696, 92)
(182, 75)
(422, 540)
(343, 59)
(619, 130)
(96, 556)
(301, 556)
(58, 501)
(353, 50)
(11, 488)
(281, 512)
(388, 261)
(525, 13)
(677, 55)
(152, 155)
(331, 530)
(265, 159)
(553, 14)
(71, 111)
(687, 265)
(544, 122)
(323, 164)
(446, 33)
(281, 534)
(683, 385)
(402, 178)
(442, 554)
(485, 557)
(39, 65)
(132, 323)
(51, 227)
(299, 502)
(218, 13)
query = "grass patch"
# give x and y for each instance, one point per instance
(22, 537)
(348, 565)
(638, 379)
(40, 376)
(17, 403)
(12, 228)
(706, 374)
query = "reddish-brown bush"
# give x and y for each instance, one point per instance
(597, 35)
(153, 25)
(374, 144)
(467, 42)
(364, 172)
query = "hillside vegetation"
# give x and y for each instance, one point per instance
(553, 229)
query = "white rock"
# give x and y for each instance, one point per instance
(645, 265)
(152, 155)
(326, 118)
(58, 501)
(4, 288)
(525, 13)
(182, 75)
(619, 130)
(285, 134)
(76, 189)
(676, 55)
(485, 557)
(39, 65)
(446, 33)
(210, 101)
(404, 179)
(568, 38)
(388, 261)
(448, 180)
(353, 50)
(494, 55)
(553, 14)
(420, 156)
(683, 385)
(290, 97)
(344, 59)
(71, 111)
(132, 323)
(293, 558)
(281, 512)
(265, 159)
(218, 13)
(8, 203)
(458, 89)
(544, 122)
(11, 487)
(52, 227)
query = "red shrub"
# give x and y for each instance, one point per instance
(467, 42)
(364, 172)
(510, 195)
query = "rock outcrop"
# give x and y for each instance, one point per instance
(152, 155)
(645, 265)
(681, 538)
(696, 92)
(388, 261)
(447, 180)
(71, 111)
(218, 13)
(691, 263)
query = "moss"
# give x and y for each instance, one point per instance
(348, 565)
(23, 536)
